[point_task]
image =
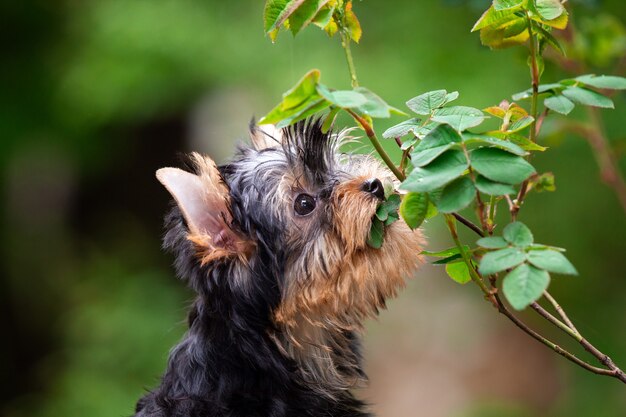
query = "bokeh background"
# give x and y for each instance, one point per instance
(96, 95)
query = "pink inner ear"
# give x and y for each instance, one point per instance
(201, 213)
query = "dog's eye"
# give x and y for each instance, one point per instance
(304, 204)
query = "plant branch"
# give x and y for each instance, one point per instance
(535, 78)
(369, 131)
(571, 331)
(560, 311)
(558, 323)
(567, 355)
(469, 224)
(450, 222)
(345, 43)
(494, 298)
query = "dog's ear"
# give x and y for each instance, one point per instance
(204, 201)
(265, 136)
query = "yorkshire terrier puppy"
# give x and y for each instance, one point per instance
(275, 245)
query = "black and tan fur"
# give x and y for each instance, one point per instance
(282, 296)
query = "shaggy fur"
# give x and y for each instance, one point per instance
(281, 296)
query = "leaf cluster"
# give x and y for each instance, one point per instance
(329, 15)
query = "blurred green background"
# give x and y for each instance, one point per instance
(96, 95)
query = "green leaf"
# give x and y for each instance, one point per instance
(525, 285)
(543, 88)
(388, 207)
(304, 14)
(450, 97)
(427, 102)
(523, 142)
(346, 99)
(302, 96)
(509, 33)
(489, 187)
(448, 259)
(444, 253)
(545, 182)
(520, 124)
(457, 195)
(352, 24)
(588, 97)
(549, 9)
(432, 210)
(492, 242)
(276, 12)
(484, 140)
(375, 238)
(408, 143)
(322, 18)
(552, 41)
(559, 104)
(447, 167)
(552, 261)
(495, 18)
(459, 117)
(506, 4)
(272, 14)
(329, 120)
(459, 272)
(414, 208)
(500, 260)
(401, 129)
(518, 234)
(436, 142)
(375, 106)
(609, 82)
(500, 166)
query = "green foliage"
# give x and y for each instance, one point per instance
(386, 214)
(309, 97)
(448, 167)
(526, 283)
(414, 209)
(563, 94)
(329, 15)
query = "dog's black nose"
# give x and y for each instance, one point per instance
(374, 186)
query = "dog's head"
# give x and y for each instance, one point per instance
(294, 203)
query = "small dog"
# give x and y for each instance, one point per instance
(274, 243)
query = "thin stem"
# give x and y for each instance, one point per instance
(558, 323)
(560, 311)
(567, 355)
(469, 224)
(534, 71)
(494, 298)
(450, 222)
(535, 77)
(345, 43)
(376, 143)
(571, 331)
